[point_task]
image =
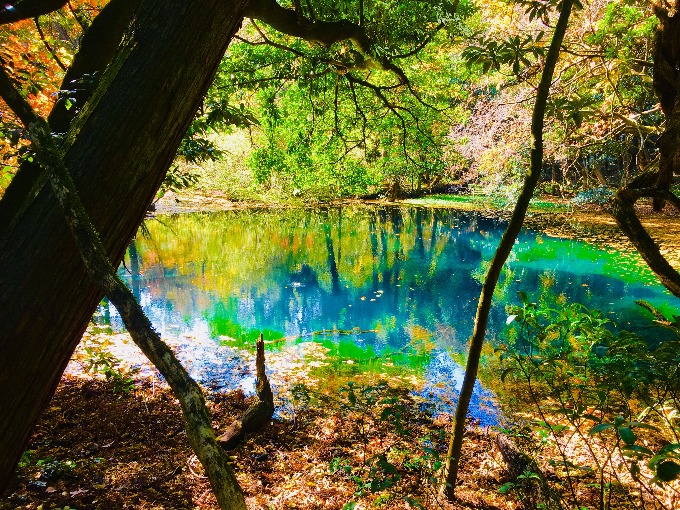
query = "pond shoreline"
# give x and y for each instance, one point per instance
(591, 223)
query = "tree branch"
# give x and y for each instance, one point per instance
(47, 45)
(14, 99)
(326, 33)
(97, 48)
(419, 47)
(26, 9)
(626, 218)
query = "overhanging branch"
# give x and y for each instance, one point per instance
(26, 9)
(628, 221)
(325, 33)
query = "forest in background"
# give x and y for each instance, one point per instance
(288, 118)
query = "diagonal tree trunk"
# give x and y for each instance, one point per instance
(656, 184)
(196, 416)
(501, 255)
(117, 151)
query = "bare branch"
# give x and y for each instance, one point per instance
(47, 45)
(14, 100)
(419, 47)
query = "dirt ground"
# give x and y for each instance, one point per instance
(94, 449)
(597, 226)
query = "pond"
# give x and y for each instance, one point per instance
(390, 291)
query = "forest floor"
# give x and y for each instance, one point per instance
(95, 448)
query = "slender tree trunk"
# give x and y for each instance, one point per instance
(196, 416)
(117, 152)
(501, 255)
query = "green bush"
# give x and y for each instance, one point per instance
(610, 392)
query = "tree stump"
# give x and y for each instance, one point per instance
(259, 413)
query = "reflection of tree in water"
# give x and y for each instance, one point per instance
(300, 271)
(332, 265)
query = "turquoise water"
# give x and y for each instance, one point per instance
(385, 289)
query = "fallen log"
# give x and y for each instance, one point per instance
(259, 413)
(524, 471)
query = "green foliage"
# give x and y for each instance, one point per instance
(101, 361)
(178, 178)
(51, 469)
(28, 458)
(516, 51)
(6, 175)
(582, 375)
(336, 121)
(217, 115)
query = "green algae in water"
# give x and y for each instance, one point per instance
(397, 275)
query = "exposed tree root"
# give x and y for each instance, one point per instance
(535, 489)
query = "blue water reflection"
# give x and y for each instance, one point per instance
(398, 282)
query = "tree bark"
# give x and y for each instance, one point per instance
(656, 184)
(117, 151)
(667, 87)
(450, 470)
(259, 413)
(196, 416)
(97, 48)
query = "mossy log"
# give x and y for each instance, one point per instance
(259, 413)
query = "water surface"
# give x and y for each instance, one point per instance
(391, 290)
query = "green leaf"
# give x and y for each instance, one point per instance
(642, 425)
(627, 435)
(600, 427)
(636, 450)
(506, 487)
(668, 471)
(670, 448)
